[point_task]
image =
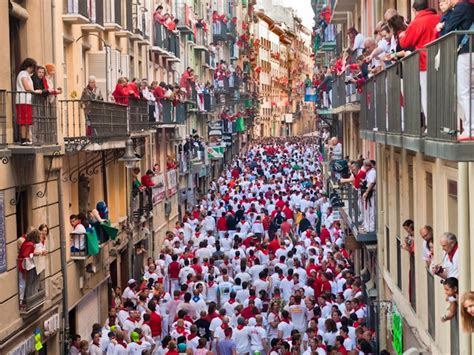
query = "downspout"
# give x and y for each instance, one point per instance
(463, 241)
(62, 238)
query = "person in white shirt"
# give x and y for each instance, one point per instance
(241, 337)
(258, 336)
(285, 326)
(208, 224)
(297, 312)
(129, 292)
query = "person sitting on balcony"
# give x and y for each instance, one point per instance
(420, 32)
(121, 92)
(91, 92)
(462, 19)
(49, 80)
(356, 40)
(450, 264)
(24, 107)
(78, 234)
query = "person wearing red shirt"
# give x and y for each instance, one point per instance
(280, 204)
(222, 225)
(159, 91)
(146, 179)
(324, 235)
(274, 245)
(173, 271)
(121, 92)
(421, 31)
(155, 322)
(288, 211)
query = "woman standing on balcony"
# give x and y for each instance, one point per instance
(24, 107)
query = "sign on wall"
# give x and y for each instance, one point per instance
(159, 190)
(172, 182)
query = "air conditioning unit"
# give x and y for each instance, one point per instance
(167, 208)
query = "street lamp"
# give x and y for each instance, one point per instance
(130, 157)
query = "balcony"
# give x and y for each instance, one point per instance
(31, 286)
(328, 38)
(201, 40)
(219, 31)
(209, 60)
(344, 95)
(391, 104)
(89, 121)
(113, 15)
(142, 205)
(141, 119)
(90, 14)
(165, 43)
(172, 115)
(78, 246)
(350, 204)
(184, 15)
(43, 128)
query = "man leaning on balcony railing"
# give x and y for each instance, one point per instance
(78, 234)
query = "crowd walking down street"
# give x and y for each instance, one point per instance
(258, 266)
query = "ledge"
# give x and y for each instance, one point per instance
(75, 19)
(34, 149)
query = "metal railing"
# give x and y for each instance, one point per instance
(93, 119)
(142, 204)
(391, 100)
(219, 31)
(172, 114)
(450, 69)
(3, 117)
(139, 118)
(93, 10)
(78, 246)
(37, 111)
(31, 285)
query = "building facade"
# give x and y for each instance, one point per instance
(423, 175)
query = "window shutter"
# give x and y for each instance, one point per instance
(125, 65)
(97, 67)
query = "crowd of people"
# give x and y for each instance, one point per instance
(258, 266)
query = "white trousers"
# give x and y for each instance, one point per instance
(465, 91)
(424, 99)
(369, 214)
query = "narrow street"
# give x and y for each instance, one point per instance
(236, 177)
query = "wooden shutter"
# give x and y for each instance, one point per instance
(125, 65)
(97, 66)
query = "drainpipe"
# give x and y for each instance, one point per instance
(62, 238)
(463, 239)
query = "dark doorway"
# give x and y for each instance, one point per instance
(124, 269)
(21, 210)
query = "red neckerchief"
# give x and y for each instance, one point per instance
(289, 278)
(210, 283)
(286, 320)
(240, 327)
(192, 336)
(236, 258)
(282, 277)
(231, 301)
(121, 342)
(252, 297)
(224, 326)
(131, 320)
(452, 252)
(180, 330)
(226, 262)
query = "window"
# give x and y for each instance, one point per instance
(411, 198)
(429, 198)
(453, 206)
(431, 305)
(387, 247)
(399, 263)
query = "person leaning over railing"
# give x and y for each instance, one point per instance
(461, 18)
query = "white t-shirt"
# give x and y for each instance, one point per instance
(241, 338)
(358, 44)
(285, 329)
(257, 336)
(298, 316)
(22, 97)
